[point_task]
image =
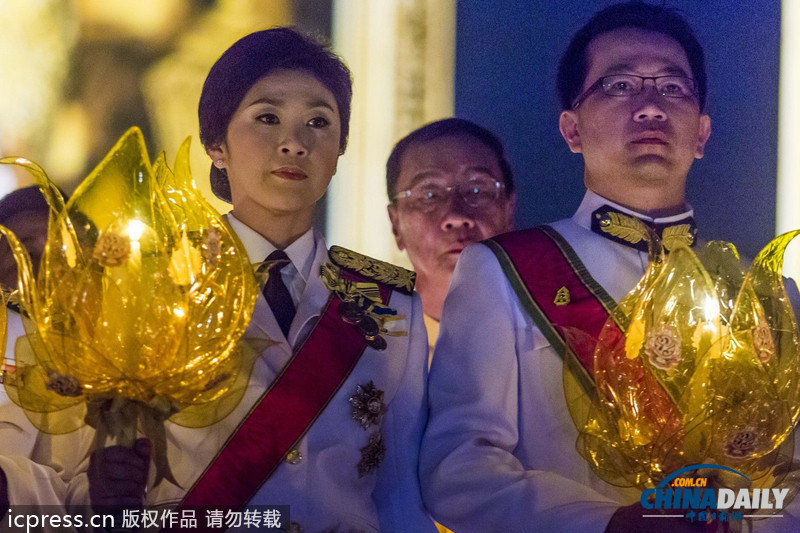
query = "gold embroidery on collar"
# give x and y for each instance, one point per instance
(623, 227)
(675, 235)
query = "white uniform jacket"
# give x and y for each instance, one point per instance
(16, 432)
(499, 452)
(323, 488)
(29, 483)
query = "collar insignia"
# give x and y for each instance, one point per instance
(634, 232)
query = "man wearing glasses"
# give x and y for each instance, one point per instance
(449, 185)
(499, 452)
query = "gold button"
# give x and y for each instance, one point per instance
(294, 457)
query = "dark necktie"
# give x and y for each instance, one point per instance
(275, 291)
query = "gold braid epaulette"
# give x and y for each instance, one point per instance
(397, 277)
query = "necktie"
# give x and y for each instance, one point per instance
(275, 291)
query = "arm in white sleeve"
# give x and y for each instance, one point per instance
(397, 493)
(471, 478)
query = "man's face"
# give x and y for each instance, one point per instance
(435, 239)
(641, 140)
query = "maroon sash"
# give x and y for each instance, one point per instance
(285, 412)
(539, 263)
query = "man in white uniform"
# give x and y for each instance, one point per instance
(499, 452)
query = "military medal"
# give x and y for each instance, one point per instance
(367, 405)
(369, 327)
(377, 343)
(360, 305)
(372, 454)
(351, 312)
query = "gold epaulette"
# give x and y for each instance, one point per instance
(397, 277)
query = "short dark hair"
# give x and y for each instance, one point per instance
(251, 58)
(573, 66)
(449, 127)
(24, 200)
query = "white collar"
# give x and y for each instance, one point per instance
(301, 252)
(593, 201)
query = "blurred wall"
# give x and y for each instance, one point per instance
(78, 73)
(506, 60)
(143, 63)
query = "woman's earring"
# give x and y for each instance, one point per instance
(218, 163)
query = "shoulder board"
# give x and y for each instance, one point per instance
(398, 278)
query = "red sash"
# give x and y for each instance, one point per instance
(285, 412)
(539, 262)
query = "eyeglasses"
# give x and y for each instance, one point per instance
(630, 85)
(428, 196)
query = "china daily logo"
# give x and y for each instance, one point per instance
(696, 500)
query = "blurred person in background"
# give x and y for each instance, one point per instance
(26, 213)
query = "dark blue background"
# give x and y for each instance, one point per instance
(506, 58)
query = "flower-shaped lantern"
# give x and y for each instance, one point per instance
(698, 364)
(142, 297)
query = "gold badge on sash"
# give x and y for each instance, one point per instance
(562, 297)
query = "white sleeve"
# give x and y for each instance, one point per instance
(32, 484)
(43, 476)
(471, 479)
(29, 483)
(397, 493)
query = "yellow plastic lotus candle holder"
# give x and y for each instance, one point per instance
(142, 297)
(698, 364)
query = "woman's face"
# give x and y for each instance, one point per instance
(281, 147)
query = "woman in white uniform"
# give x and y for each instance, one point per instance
(274, 117)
